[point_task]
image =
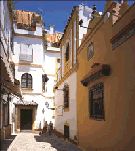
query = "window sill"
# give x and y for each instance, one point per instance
(66, 109)
(22, 61)
(28, 89)
(96, 118)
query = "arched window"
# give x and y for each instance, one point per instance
(26, 80)
(66, 96)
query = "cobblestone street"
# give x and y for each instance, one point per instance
(27, 141)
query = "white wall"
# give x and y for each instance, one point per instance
(36, 76)
(85, 15)
(50, 69)
(38, 53)
(70, 116)
(48, 62)
(37, 46)
(37, 32)
(6, 37)
(35, 68)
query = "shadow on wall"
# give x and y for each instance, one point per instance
(7, 142)
(131, 145)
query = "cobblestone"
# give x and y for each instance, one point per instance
(28, 141)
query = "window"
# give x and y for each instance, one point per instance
(43, 83)
(66, 96)
(26, 80)
(96, 98)
(67, 52)
(44, 80)
(26, 53)
(71, 48)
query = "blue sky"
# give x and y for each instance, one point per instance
(55, 12)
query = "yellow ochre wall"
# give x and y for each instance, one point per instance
(117, 131)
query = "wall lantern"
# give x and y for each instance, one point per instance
(45, 78)
(56, 88)
(47, 106)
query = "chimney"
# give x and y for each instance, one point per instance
(51, 29)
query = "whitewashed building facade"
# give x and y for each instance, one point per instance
(65, 89)
(52, 63)
(9, 86)
(29, 48)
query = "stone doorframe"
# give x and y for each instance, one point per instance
(17, 115)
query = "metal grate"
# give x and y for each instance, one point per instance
(96, 98)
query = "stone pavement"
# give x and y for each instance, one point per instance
(28, 141)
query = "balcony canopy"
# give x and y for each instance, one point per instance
(97, 71)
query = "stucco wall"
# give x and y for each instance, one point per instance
(67, 117)
(85, 15)
(44, 62)
(37, 32)
(116, 132)
(36, 76)
(6, 37)
(37, 45)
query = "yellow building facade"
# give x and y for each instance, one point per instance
(106, 81)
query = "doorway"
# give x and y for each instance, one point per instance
(26, 119)
(66, 132)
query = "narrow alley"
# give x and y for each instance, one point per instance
(67, 75)
(28, 141)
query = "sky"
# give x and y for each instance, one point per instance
(56, 12)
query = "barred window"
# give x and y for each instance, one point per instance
(26, 80)
(96, 101)
(66, 96)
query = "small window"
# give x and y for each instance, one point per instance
(96, 99)
(43, 83)
(67, 52)
(66, 96)
(44, 80)
(26, 80)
